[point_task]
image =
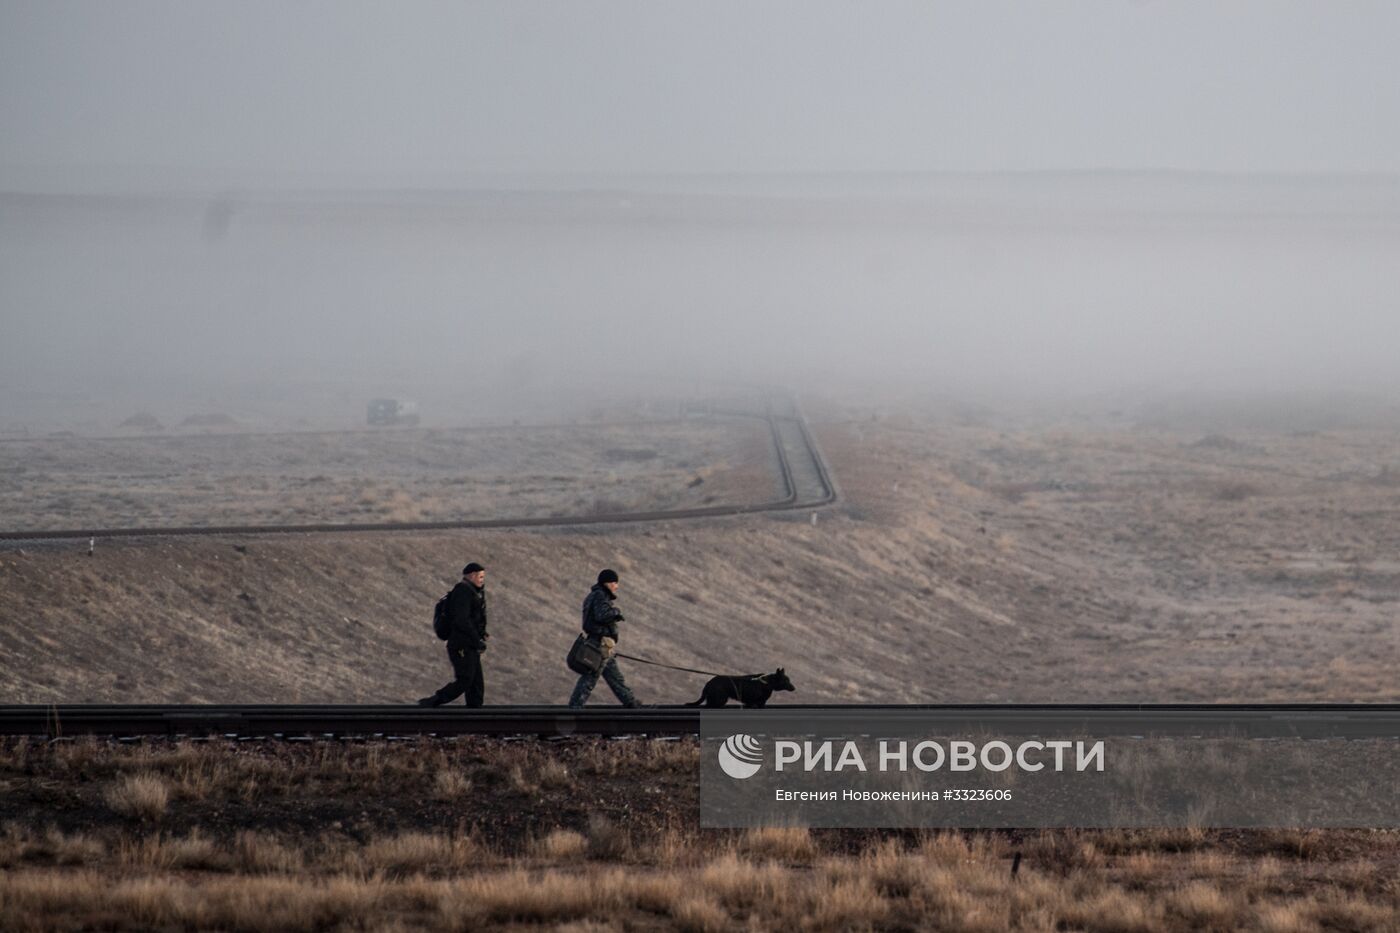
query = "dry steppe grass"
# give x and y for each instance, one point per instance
(349, 846)
(1011, 561)
(140, 795)
(447, 882)
(415, 475)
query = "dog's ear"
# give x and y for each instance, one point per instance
(781, 670)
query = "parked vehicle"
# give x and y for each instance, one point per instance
(392, 411)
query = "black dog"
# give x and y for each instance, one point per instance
(752, 690)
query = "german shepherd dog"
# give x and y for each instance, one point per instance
(752, 690)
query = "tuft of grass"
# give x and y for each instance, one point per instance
(192, 852)
(416, 853)
(517, 896)
(143, 796)
(673, 847)
(561, 844)
(1286, 917)
(892, 870)
(552, 773)
(697, 913)
(848, 905)
(781, 843)
(260, 853)
(52, 847)
(450, 784)
(1202, 905)
(1112, 911)
(741, 885)
(1141, 869)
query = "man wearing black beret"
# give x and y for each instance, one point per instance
(466, 617)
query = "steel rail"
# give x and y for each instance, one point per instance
(1244, 720)
(789, 501)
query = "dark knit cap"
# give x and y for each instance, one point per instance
(607, 576)
(473, 567)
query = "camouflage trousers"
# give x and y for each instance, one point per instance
(610, 673)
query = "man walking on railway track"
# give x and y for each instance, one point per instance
(600, 618)
(466, 639)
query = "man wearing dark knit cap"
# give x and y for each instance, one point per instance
(600, 618)
(466, 616)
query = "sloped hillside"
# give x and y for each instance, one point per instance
(965, 563)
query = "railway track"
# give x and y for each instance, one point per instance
(806, 485)
(1242, 720)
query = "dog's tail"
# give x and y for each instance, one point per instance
(697, 702)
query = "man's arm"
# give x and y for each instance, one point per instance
(605, 613)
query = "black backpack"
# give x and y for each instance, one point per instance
(442, 625)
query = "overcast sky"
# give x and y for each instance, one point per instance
(417, 90)
(1034, 283)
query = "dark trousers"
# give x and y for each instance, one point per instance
(466, 673)
(613, 675)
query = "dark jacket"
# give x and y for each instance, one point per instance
(466, 615)
(600, 616)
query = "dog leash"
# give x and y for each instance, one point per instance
(688, 670)
(733, 681)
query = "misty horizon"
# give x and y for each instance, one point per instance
(485, 201)
(1058, 285)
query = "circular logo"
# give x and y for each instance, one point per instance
(741, 756)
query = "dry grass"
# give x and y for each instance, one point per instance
(193, 852)
(520, 896)
(697, 913)
(360, 867)
(1203, 905)
(450, 784)
(262, 853)
(144, 796)
(786, 844)
(419, 475)
(416, 854)
(553, 774)
(561, 845)
(443, 882)
(1077, 592)
(671, 847)
(50, 847)
(36, 901)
